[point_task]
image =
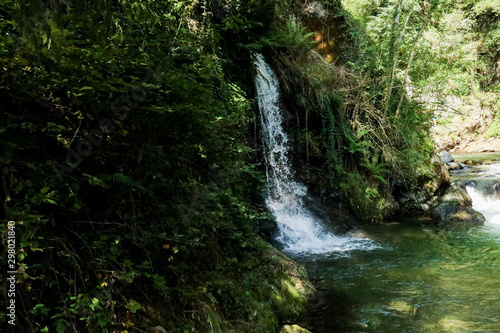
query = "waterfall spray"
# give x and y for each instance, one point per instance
(300, 230)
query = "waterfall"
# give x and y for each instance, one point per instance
(483, 183)
(299, 229)
(484, 191)
(489, 206)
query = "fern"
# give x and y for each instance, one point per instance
(121, 179)
(376, 169)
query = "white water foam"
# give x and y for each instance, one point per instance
(300, 230)
(488, 206)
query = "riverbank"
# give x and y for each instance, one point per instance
(463, 135)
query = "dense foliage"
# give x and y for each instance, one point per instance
(128, 155)
(446, 53)
(357, 129)
(126, 166)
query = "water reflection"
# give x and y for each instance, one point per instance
(423, 280)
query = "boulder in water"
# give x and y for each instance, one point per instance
(472, 163)
(455, 166)
(455, 207)
(416, 201)
(446, 157)
(469, 183)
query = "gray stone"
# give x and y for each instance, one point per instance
(446, 157)
(455, 207)
(496, 190)
(418, 200)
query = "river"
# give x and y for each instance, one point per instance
(421, 278)
(401, 276)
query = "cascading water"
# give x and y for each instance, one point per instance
(483, 186)
(489, 206)
(485, 192)
(299, 230)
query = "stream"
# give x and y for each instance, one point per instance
(400, 276)
(421, 278)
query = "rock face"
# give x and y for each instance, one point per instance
(455, 207)
(268, 229)
(444, 203)
(414, 201)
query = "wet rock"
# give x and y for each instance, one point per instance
(446, 157)
(469, 183)
(357, 233)
(316, 206)
(293, 329)
(268, 229)
(455, 207)
(472, 163)
(413, 201)
(441, 174)
(496, 190)
(416, 201)
(455, 166)
(295, 291)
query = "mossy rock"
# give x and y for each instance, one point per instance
(294, 291)
(455, 207)
(418, 200)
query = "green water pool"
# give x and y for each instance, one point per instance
(420, 279)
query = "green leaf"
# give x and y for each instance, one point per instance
(61, 325)
(133, 305)
(102, 322)
(41, 308)
(94, 304)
